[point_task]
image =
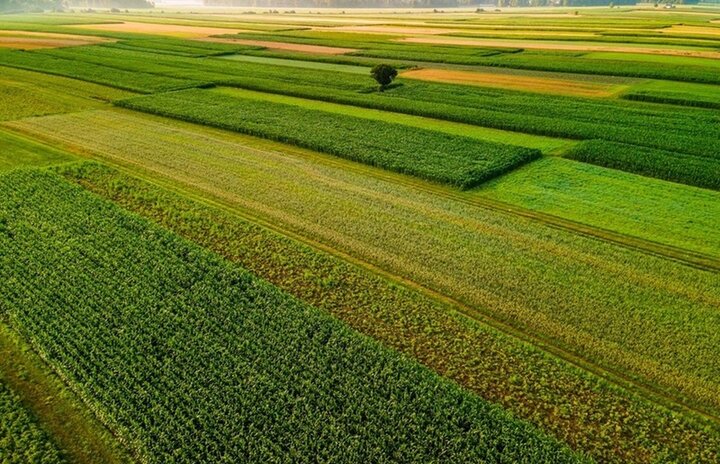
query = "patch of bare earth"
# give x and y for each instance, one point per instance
(514, 82)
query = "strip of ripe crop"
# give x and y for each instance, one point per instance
(22, 440)
(606, 422)
(459, 161)
(686, 169)
(192, 359)
(646, 318)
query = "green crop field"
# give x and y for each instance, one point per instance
(417, 233)
(21, 438)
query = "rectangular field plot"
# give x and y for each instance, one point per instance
(159, 334)
(548, 145)
(543, 85)
(459, 161)
(25, 93)
(616, 307)
(664, 212)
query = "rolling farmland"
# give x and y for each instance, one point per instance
(223, 240)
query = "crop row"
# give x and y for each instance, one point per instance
(558, 61)
(675, 167)
(459, 161)
(192, 359)
(112, 77)
(566, 289)
(607, 423)
(683, 130)
(22, 440)
(675, 98)
(180, 47)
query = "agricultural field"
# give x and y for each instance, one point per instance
(229, 234)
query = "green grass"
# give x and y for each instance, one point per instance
(459, 161)
(19, 152)
(570, 291)
(661, 164)
(663, 212)
(701, 95)
(26, 93)
(344, 68)
(80, 437)
(546, 144)
(683, 61)
(196, 345)
(112, 77)
(610, 424)
(22, 440)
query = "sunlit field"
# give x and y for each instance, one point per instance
(482, 234)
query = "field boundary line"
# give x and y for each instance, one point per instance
(197, 193)
(70, 423)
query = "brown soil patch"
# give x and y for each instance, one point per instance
(559, 46)
(33, 40)
(515, 82)
(171, 30)
(292, 47)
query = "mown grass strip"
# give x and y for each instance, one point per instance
(191, 343)
(18, 152)
(27, 93)
(663, 212)
(459, 161)
(586, 410)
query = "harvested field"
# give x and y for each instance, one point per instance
(286, 46)
(171, 30)
(23, 40)
(515, 82)
(559, 46)
(694, 30)
(400, 30)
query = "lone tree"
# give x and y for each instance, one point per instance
(383, 74)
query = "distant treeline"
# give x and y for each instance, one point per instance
(348, 3)
(18, 6)
(506, 3)
(407, 3)
(110, 4)
(27, 5)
